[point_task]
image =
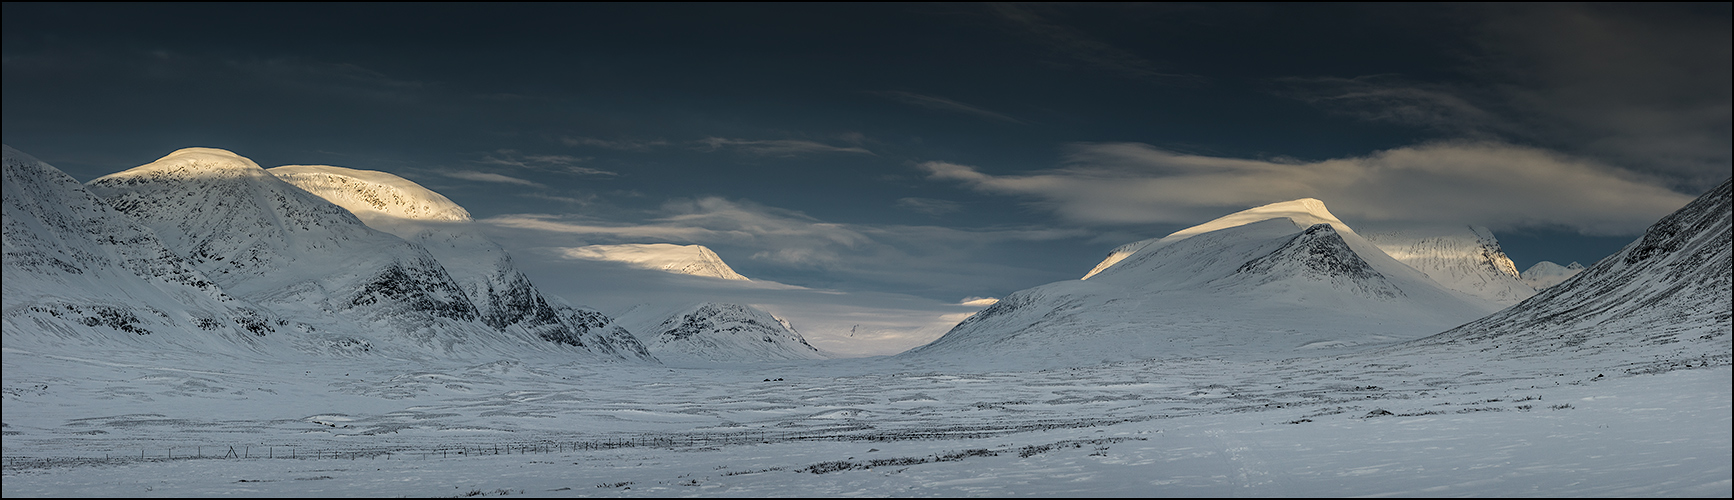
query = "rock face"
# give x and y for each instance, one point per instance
(81, 271)
(1318, 253)
(726, 333)
(1663, 297)
(1463, 258)
(590, 329)
(695, 260)
(1278, 280)
(503, 297)
(1545, 274)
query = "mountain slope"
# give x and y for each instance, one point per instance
(504, 298)
(1463, 258)
(276, 245)
(79, 270)
(1662, 299)
(1277, 280)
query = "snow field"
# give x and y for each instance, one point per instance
(1202, 427)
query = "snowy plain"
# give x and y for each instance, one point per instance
(1458, 425)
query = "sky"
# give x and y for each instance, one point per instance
(940, 152)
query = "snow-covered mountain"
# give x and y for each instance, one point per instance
(1463, 258)
(504, 298)
(370, 194)
(276, 245)
(79, 271)
(1545, 274)
(696, 260)
(1282, 279)
(1665, 298)
(712, 332)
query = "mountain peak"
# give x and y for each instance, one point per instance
(1464, 258)
(371, 192)
(205, 158)
(1546, 274)
(729, 333)
(696, 260)
(1304, 212)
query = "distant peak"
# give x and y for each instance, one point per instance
(195, 162)
(204, 151)
(695, 260)
(365, 191)
(212, 155)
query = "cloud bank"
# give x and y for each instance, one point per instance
(1492, 184)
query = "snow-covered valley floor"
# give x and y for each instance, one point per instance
(1456, 426)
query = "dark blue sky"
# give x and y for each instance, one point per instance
(938, 150)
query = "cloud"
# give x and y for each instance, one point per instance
(1072, 43)
(308, 75)
(561, 224)
(792, 247)
(1386, 98)
(943, 104)
(585, 201)
(623, 145)
(929, 206)
(1487, 183)
(553, 159)
(778, 147)
(1642, 88)
(549, 163)
(471, 175)
(1646, 86)
(978, 301)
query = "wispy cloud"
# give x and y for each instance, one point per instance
(618, 144)
(1386, 98)
(1492, 184)
(340, 78)
(471, 175)
(776, 243)
(943, 104)
(929, 206)
(1075, 44)
(554, 163)
(585, 201)
(776, 147)
(559, 224)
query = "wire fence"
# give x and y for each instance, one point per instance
(854, 432)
